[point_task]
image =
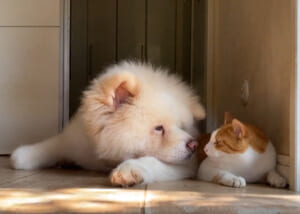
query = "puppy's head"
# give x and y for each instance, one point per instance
(136, 110)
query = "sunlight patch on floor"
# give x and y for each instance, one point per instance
(93, 200)
(73, 199)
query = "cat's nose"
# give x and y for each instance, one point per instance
(192, 145)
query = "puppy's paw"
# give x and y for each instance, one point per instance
(231, 181)
(276, 180)
(21, 158)
(127, 174)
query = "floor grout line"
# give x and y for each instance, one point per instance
(8, 166)
(143, 208)
(17, 179)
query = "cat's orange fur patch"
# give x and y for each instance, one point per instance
(258, 140)
(227, 140)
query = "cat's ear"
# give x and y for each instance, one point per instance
(227, 118)
(239, 128)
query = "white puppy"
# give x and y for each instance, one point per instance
(134, 119)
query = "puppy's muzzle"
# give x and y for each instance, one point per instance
(192, 145)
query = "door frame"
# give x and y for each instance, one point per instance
(64, 62)
(295, 105)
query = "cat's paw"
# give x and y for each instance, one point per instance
(127, 174)
(231, 180)
(236, 182)
(276, 180)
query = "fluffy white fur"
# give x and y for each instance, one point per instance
(237, 169)
(115, 128)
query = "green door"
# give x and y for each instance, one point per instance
(107, 31)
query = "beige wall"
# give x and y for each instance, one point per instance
(29, 71)
(253, 40)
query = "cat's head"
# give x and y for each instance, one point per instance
(235, 137)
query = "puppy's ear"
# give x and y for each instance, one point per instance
(198, 111)
(105, 95)
(227, 118)
(121, 95)
(112, 90)
(119, 88)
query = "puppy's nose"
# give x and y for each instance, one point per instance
(191, 145)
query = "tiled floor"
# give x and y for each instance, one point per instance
(78, 191)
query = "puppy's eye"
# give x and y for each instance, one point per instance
(160, 129)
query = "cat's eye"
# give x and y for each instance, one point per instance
(160, 129)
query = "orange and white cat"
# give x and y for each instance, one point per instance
(238, 153)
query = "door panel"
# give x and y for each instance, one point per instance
(183, 39)
(131, 29)
(78, 55)
(101, 35)
(29, 85)
(161, 33)
(107, 31)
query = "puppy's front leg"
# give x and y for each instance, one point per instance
(149, 169)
